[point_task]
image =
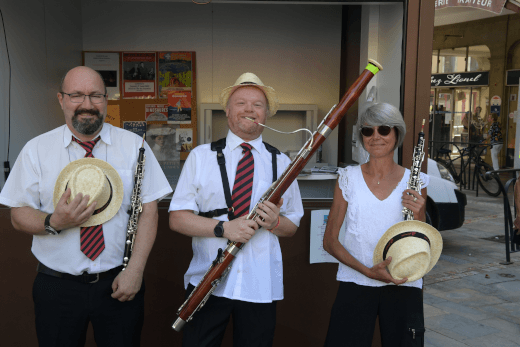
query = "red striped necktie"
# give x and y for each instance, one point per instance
(243, 187)
(92, 240)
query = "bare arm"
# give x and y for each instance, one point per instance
(128, 282)
(65, 216)
(332, 245)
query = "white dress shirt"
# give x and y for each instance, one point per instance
(367, 219)
(31, 183)
(257, 272)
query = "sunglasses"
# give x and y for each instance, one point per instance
(383, 130)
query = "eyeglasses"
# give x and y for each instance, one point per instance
(79, 98)
(383, 130)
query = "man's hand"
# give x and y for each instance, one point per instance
(126, 285)
(73, 214)
(380, 273)
(269, 214)
(240, 229)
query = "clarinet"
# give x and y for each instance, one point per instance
(414, 182)
(136, 207)
(222, 263)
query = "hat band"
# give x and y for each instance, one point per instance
(102, 208)
(402, 236)
(249, 83)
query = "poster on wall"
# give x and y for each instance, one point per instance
(138, 75)
(107, 64)
(156, 112)
(162, 139)
(179, 107)
(138, 128)
(175, 72)
(184, 136)
(113, 116)
(318, 224)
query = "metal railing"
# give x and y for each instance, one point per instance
(509, 230)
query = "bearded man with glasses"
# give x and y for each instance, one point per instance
(73, 289)
(375, 193)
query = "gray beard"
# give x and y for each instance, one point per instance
(87, 127)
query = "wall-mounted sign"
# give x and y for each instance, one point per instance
(460, 79)
(494, 6)
(512, 77)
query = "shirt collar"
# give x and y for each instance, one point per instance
(233, 141)
(104, 134)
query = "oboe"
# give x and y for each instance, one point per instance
(222, 263)
(136, 206)
(414, 181)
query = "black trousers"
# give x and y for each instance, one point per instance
(353, 316)
(65, 307)
(253, 323)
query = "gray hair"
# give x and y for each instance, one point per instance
(376, 114)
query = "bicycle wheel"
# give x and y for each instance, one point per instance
(450, 168)
(490, 185)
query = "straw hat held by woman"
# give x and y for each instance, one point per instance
(371, 197)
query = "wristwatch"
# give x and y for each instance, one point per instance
(50, 230)
(219, 229)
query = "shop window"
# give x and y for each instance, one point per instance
(435, 57)
(452, 60)
(478, 58)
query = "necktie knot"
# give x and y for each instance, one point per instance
(246, 147)
(87, 146)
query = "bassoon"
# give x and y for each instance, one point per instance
(222, 263)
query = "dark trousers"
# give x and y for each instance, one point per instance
(353, 316)
(65, 307)
(253, 323)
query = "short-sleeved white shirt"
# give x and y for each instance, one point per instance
(32, 180)
(367, 219)
(257, 272)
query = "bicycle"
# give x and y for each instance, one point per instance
(490, 185)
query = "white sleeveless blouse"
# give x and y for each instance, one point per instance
(367, 219)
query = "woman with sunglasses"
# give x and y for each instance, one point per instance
(375, 193)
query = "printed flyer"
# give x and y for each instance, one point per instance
(179, 107)
(107, 64)
(156, 112)
(138, 75)
(175, 72)
(162, 139)
(318, 224)
(138, 128)
(113, 116)
(184, 136)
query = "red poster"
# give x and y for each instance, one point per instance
(139, 75)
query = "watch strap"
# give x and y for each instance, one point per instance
(48, 227)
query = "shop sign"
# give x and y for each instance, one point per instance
(461, 79)
(512, 77)
(494, 6)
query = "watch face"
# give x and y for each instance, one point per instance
(50, 230)
(219, 230)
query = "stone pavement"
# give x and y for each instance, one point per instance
(470, 299)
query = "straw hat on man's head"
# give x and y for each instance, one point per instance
(415, 248)
(249, 79)
(96, 178)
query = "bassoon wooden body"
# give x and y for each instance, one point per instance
(222, 264)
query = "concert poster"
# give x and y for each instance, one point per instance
(162, 139)
(184, 136)
(179, 107)
(318, 224)
(156, 112)
(138, 128)
(139, 75)
(174, 72)
(107, 64)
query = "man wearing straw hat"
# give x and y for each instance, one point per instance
(70, 188)
(198, 209)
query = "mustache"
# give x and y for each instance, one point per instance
(93, 112)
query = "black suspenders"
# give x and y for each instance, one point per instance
(218, 146)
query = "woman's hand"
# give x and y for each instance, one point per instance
(380, 273)
(415, 202)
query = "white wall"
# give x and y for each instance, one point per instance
(44, 40)
(293, 48)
